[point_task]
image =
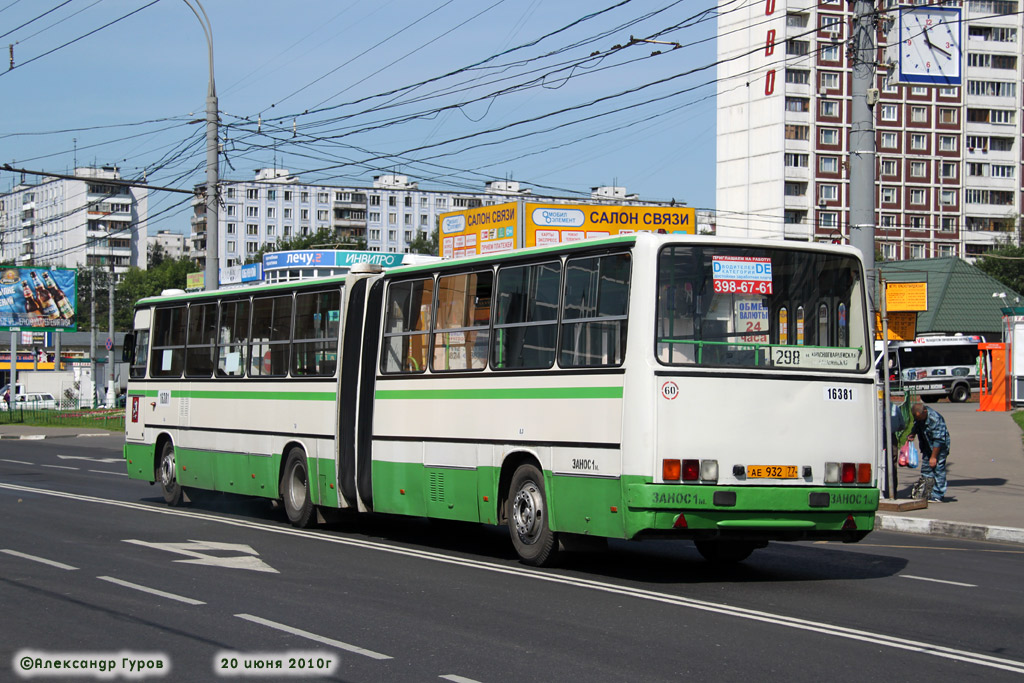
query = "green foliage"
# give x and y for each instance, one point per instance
(323, 239)
(426, 245)
(1005, 264)
(138, 284)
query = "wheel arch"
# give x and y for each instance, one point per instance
(161, 439)
(513, 460)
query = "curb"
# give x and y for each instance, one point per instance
(938, 527)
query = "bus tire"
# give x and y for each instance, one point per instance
(725, 552)
(534, 541)
(167, 475)
(295, 490)
(959, 393)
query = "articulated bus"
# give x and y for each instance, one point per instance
(715, 390)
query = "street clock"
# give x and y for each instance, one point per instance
(930, 45)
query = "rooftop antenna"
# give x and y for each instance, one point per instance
(74, 143)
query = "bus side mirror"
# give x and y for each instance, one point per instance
(128, 349)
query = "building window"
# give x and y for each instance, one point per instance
(231, 228)
(798, 76)
(889, 167)
(1002, 171)
(252, 194)
(888, 221)
(889, 112)
(287, 195)
(889, 252)
(917, 196)
(230, 209)
(323, 215)
(231, 246)
(828, 220)
(916, 251)
(889, 140)
(271, 195)
(252, 229)
(828, 193)
(271, 212)
(888, 195)
(919, 114)
(829, 108)
(795, 189)
(252, 211)
(991, 88)
(947, 143)
(948, 92)
(918, 141)
(948, 170)
(374, 200)
(798, 104)
(918, 169)
(796, 160)
(797, 48)
(229, 193)
(829, 53)
(948, 115)
(917, 223)
(829, 136)
(392, 200)
(828, 164)
(323, 197)
(287, 212)
(252, 247)
(374, 217)
(304, 197)
(794, 132)
(829, 80)
(304, 214)
(948, 224)
(947, 197)
(393, 218)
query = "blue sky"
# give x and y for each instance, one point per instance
(304, 83)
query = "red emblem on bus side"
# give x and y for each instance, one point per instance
(135, 408)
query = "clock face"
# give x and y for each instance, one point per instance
(929, 46)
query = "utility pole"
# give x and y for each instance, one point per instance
(862, 133)
(212, 270)
(110, 325)
(92, 331)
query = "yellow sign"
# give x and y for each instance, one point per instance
(514, 225)
(902, 325)
(559, 223)
(194, 281)
(906, 296)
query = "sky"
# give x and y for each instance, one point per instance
(555, 94)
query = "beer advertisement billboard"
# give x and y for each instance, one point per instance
(38, 298)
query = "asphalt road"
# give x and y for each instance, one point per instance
(92, 563)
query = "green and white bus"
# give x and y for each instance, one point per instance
(644, 385)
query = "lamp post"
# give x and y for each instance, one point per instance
(211, 272)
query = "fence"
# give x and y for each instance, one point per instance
(29, 414)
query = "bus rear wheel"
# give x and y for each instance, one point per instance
(295, 490)
(725, 552)
(167, 475)
(534, 541)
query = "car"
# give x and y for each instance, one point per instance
(31, 401)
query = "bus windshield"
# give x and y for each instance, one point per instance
(760, 307)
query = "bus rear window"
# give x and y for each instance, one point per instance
(723, 306)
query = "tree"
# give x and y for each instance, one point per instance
(156, 255)
(426, 245)
(1005, 264)
(322, 237)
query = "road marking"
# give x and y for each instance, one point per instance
(116, 474)
(950, 583)
(83, 457)
(312, 636)
(937, 547)
(61, 467)
(151, 591)
(26, 556)
(20, 462)
(458, 679)
(877, 639)
(248, 560)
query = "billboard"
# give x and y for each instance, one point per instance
(38, 298)
(515, 225)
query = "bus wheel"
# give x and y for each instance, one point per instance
(295, 490)
(533, 539)
(960, 393)
(724, 552)
(929, 399)
(167, 474)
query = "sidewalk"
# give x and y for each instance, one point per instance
(985, 497)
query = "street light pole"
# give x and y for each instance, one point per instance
(212, 270)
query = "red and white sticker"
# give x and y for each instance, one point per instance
(741, 274)
(670, 390)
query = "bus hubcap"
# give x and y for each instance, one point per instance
(167, 469)
(526, 511)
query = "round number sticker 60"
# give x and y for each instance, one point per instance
(669, 390)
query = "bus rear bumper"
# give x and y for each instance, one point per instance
(761, 513)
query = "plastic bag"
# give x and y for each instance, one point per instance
(904, 454)
(913, 454)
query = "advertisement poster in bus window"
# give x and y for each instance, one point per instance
(548, 224)
(751, 317)
(38, 298)
(741, 274)
(480, 231)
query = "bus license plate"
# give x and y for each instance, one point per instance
(772, 471)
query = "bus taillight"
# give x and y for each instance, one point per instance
(864, 473)
(670, 470)
(691, 470)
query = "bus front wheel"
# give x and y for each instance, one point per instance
(725, 552)
(295, 490)
(167, 474)
(534, 541)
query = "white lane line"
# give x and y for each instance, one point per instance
(60, 467)
(455, 678)
(20, 462)
(314, 637)
(26, 556)
(878, 639)
(950, 583)
(116, 474)
(151, 591)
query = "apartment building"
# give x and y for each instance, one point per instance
(387, 217)
(74, 223)
(948, 175)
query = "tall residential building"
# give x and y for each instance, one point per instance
(948, 176)
(72, 223)
(387, 217)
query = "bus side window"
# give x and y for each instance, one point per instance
(406, 327)
(315, 338)
(594, 311)
(202, 328)
(168, 355)
(270, 336)
(137, 370)
(461, 326)
(232, 338)
(526, 320)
